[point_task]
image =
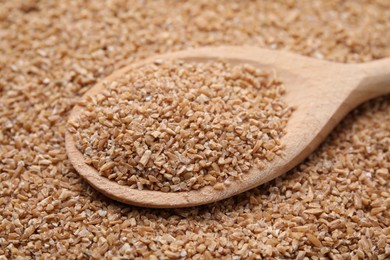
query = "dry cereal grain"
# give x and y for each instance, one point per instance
(52, 52)
(177, 126)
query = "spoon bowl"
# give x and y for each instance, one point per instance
(321, 92)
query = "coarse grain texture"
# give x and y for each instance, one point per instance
(176, 126)
(53, 52)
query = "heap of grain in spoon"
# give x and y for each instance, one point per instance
(176, 126)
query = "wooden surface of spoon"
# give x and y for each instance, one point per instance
(321, 92)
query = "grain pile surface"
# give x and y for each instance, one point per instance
(334, 205)
(179, 126)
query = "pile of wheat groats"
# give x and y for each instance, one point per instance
(334, 205)
(176, 126)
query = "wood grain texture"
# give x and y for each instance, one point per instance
(322, 93)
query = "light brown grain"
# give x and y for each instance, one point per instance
(53, 52)
(179, 126)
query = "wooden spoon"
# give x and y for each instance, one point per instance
(322, 92)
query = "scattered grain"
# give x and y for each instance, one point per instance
(54, 51)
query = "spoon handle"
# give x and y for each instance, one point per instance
(376, 79)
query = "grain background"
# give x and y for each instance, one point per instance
(334, 205)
